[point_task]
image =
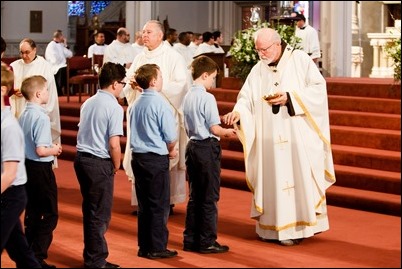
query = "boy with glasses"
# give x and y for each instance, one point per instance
(97, 161)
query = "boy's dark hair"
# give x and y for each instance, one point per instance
(109, 73)
(203, 64)
(145, 73)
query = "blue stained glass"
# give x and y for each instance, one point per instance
(76, 8)
(98, 6)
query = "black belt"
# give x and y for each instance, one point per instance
(16, 186)
(213, 139)
(38, 162)
(89, 155)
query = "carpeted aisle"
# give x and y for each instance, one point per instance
(356, 239)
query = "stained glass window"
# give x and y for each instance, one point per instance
(98, 6)
(76, 8)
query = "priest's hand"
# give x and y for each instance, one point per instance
(134, 85)
(281, 99)
(231, 118)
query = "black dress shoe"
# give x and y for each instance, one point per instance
(189, 247)
(110, 265)
(142, 253)
(162, 254)
(44, 264)
(214, 248)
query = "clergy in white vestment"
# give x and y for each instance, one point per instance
(120, 50)
(32, 64)
(99, 46)
(309, 38)
(175, 85)
(56, 53)
(197, 40)
(286, 141)
(183, 48)
(207, 46)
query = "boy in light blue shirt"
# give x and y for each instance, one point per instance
(13, 180)
(152, 141)
(42, 211)
(203, 159)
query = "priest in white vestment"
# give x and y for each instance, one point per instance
(286, 141)
(32, 64)
(175, 86)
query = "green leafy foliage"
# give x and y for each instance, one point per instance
(393, 50)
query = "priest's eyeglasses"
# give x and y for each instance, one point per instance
(122, 83)
(264, 50)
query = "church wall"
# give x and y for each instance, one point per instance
(370, 23)
(15, 19)
(185, 15)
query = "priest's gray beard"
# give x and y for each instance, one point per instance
(267, 61)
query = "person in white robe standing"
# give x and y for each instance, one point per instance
(175, 85)
(283, 123)
(56, 53)
(120, 50)
(309, 38)
(99, 46)
(207, 45)
(32, 64)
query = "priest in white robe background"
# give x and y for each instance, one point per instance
(175, 85)
(32, 64)
(286, 141)
(309, 38)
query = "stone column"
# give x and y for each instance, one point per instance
(336, 37)
(382, 64)
(137, 14)
(357, 59)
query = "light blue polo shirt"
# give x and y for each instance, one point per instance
(35, 124)
(152, 124)
(200, 113)
(12, 145)
(101, 117)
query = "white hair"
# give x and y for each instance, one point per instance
(270, 34)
